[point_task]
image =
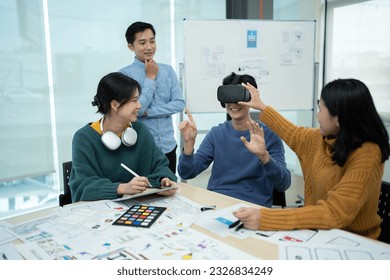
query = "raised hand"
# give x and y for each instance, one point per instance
(189, 131)
(255, 102)
(256, 144)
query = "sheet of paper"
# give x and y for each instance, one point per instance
(49, 249)
(64, 236)
(8, 252)
(98, 205)
(332, 245)
(82, 224)
(5, 235)
(329, 252)
(30, 231)
(180, 210)
(177, 244)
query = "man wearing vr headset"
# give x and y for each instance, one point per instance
(99, 148)
(245, 172)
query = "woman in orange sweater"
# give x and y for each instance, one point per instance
(342, 162)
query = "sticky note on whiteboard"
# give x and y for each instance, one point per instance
(251, 38)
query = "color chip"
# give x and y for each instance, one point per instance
(140, 216)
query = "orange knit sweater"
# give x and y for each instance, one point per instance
(335, 197)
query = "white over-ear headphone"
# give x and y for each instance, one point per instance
(112, 142)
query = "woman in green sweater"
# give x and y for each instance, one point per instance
(342, 162)
(99, 148)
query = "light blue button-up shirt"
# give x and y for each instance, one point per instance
(160, 98)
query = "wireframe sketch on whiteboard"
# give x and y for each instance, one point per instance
(257, 68)
(213, 61)
(291, 49)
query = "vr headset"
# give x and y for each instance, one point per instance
(232, 94)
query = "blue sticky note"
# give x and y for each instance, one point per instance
(224, 221)
(251, 38)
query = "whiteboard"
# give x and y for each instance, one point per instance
(278, 54)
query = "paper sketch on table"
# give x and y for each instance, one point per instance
(172, 242)
(335, 245)
(70, 231)
(69, 243)
(83, 223)
(97, 205)
(120, 254)
(298, 236)
(178, 244)
(65, 236)
(5, 235)
(30, 231)
(49, 249)
(316, 252)
(8, 252)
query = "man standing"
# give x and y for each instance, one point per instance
(161, 95)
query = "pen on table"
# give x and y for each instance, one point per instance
(211, 207)
(132, 172)
(236, 223)
(240, 226)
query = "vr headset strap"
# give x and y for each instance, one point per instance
(235, 80)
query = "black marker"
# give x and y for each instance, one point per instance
(211, 207)
(236, 223)
(239, 227)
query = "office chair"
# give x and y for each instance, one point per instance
(384, 212)
(66, 197)
(279, 199)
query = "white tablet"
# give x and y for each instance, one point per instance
(146, 192)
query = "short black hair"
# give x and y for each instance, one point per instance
(115, 86)
(245, 78)
(136, 27)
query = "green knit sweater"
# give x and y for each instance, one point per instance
(96, 171)
(335, 197)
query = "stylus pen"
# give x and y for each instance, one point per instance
(132, 172)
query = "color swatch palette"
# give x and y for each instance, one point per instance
(140, 216)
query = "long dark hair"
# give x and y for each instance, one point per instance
(350, 100)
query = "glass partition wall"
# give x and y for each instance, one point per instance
(358, 46)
